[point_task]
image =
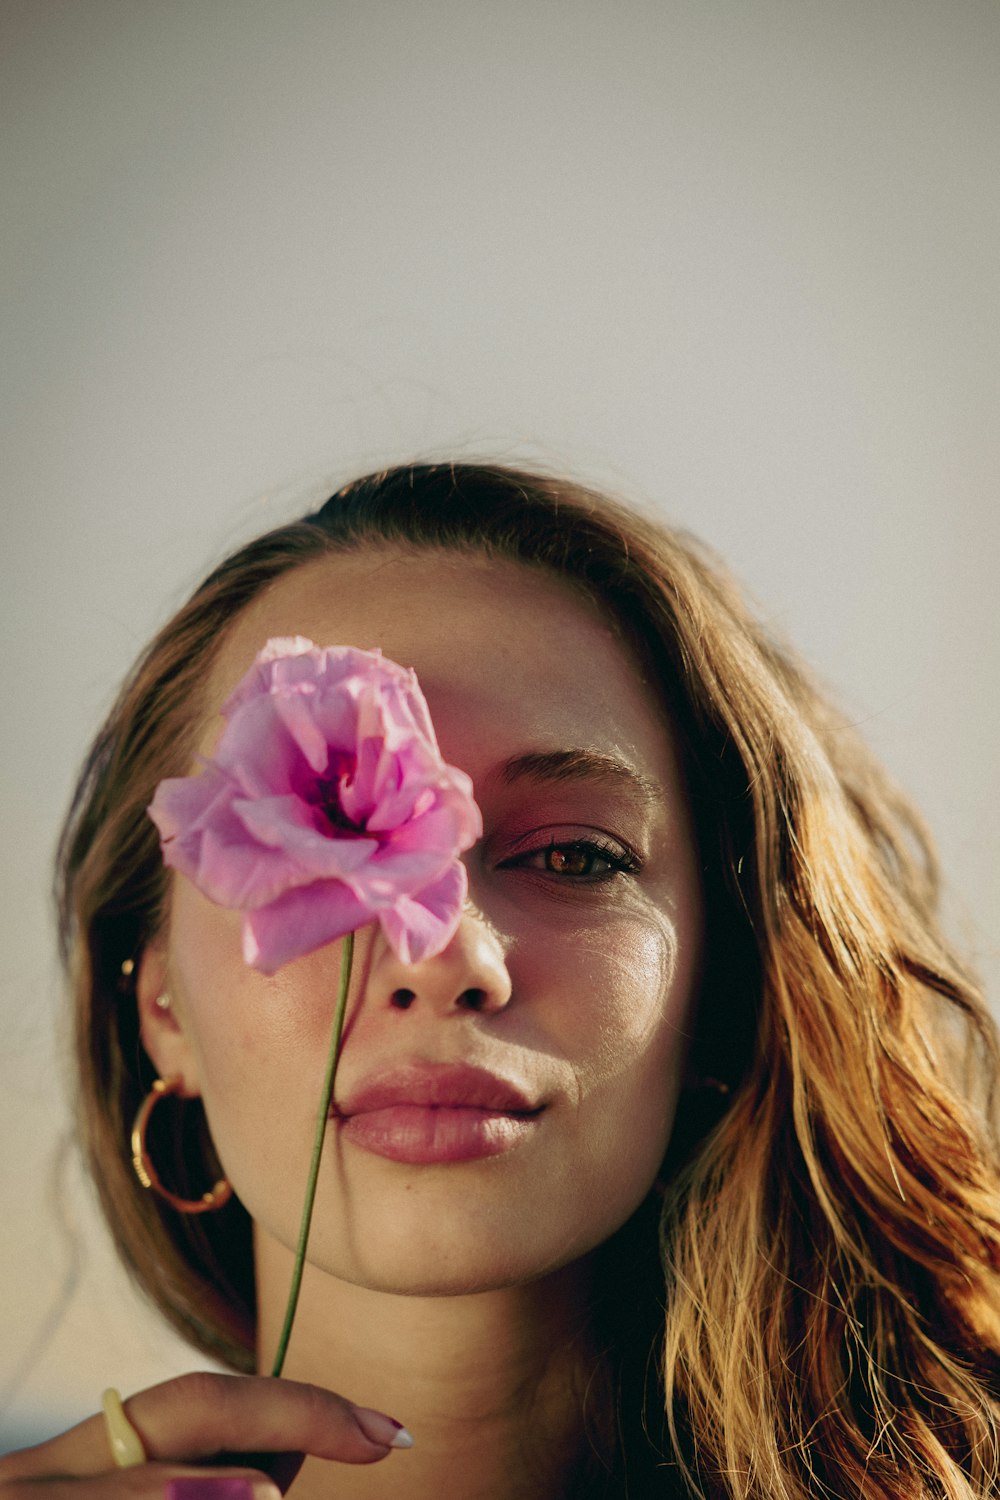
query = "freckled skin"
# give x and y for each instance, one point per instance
(591, 981)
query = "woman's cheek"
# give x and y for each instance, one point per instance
(632, 1003)
(636, 1023)
(241, 1027)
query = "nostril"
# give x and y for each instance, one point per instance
(402, 999)
(473, 999)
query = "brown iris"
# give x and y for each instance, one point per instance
(570, 861)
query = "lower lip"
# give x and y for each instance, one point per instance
(423, 1134)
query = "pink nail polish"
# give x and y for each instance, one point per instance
(208, 1489)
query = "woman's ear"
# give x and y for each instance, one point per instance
(160, 1025)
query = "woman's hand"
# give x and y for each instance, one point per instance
(200, 1427)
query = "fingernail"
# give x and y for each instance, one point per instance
(379, 1428)
(209, 1489)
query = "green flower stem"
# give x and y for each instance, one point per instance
(347, 954)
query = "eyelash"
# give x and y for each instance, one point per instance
(618, 860)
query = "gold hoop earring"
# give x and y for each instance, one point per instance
(146, 1172)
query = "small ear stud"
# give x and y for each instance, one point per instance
(162, 1002)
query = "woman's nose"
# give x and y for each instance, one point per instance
(470, 974)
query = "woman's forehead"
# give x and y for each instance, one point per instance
(493, 642)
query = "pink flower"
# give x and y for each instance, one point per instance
(326, 806)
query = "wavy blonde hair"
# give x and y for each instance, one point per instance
(827, 1249)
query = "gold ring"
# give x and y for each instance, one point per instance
(123, 1440)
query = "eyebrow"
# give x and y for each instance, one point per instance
(580, 765)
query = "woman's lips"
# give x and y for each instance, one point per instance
(425, 1133)
(423, 1114)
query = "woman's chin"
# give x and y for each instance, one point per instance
(436, 1256)
(432, 1282)
(451, 1266)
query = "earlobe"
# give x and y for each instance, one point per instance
(162, 1032)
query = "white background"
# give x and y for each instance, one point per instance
(738, 258)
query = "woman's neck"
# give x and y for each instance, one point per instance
(491, 1384)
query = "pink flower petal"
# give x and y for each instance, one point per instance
(291, 825)
(295, 712)
(298, 922)
(258, 752)
(420, 927)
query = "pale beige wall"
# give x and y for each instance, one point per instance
(738, 257)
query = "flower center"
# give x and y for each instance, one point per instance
(327, 798)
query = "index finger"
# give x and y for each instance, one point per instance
(203, 1415)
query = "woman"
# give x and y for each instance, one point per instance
(742, 1234)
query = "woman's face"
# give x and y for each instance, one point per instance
(571, 977)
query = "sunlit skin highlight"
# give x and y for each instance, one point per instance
(582, 941)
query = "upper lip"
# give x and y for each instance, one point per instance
(454, 1085)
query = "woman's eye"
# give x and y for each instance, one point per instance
(581, 859)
